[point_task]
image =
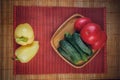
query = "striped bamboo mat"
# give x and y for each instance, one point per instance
(45, 21)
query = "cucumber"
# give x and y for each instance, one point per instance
(69, 49)
(84, 56)
(64, 54)
(69, 38)
(81, 44)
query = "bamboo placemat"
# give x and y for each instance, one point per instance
(45, 21)
(113, 44)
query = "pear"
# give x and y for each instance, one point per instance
(24, 34)
(25, 53)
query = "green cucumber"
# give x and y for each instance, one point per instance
(69, 38)
(69, 49)
(81, 44)
(64, 54)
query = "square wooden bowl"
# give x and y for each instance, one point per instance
(68, 26)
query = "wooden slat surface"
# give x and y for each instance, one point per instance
(113, 42)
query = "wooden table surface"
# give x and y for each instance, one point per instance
(113, 42)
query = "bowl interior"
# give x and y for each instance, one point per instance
(68, 27)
